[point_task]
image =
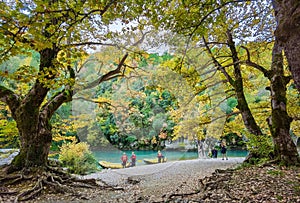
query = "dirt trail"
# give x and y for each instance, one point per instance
(155, 181)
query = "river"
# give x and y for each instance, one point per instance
(115, 155)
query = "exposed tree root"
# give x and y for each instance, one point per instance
(29, 194)
(206, 184)
(183, 194)
(271, 183)
(50, 179)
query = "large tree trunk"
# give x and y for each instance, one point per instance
(279, 122)
(243, 106)
(34, 130)
(33, 121)
(287, 33)
(35, 138)
(238, 85)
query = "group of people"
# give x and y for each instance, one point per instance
(124, 159)
(214, 151)
(160, 157)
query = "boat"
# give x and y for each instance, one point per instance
(154, 161)
(105, 164)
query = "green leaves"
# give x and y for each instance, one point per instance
(78, 158)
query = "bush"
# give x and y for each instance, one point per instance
(77, 158)
(261, 148)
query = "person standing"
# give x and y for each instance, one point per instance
(224, 151)
(133, 159)
(159, 156)
(124, 160)
(214, 153)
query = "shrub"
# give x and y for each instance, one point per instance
(261, 147)
(77, 158)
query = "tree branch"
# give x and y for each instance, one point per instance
(215, 8)
(93, 101)
(55, 102)
(10, 98)
(89, 43)
(66, 95)
(108, 76)
(254, 65)
(217, 64)
(219, 117)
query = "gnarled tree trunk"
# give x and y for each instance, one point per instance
(33, 121)
(279, 122)
(287, 14)
(35, 138)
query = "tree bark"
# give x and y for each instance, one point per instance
(33, 122)
(35, 139)
(238, 85)
(287, 15)
(279, 122)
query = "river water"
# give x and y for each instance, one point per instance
(115, 155)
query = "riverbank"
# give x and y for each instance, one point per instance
(148, 183)
(202, 180)
(205, 180)
(186, 168)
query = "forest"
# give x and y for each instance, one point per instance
(82, 75)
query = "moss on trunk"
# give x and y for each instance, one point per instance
(279, 122)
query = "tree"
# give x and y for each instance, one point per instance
(32, 112)
(279, 122)
(196, 19)
(60, 32)
(287, 15)
(237, 84)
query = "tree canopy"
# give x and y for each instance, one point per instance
(229, 65)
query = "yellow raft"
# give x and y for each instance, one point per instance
(154, 161)
(105, 164)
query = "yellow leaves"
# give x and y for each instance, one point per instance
(153, 140)
(199, 133)
(58, 137)
(40, 45)
(236, 126)
(80, 121)
(204, 119)
(60, 130)
(175, 115)
(295, 127)
(51, 29)
(102, 101)
(176, 132)
(67, 58)
(72, 149)
(169, 64)
(199, 88)
(202, 98)
(77, 157)
(61, 56)
(8, 128)
(293, 103)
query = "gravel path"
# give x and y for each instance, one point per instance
(187, 168)
(155, 181)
